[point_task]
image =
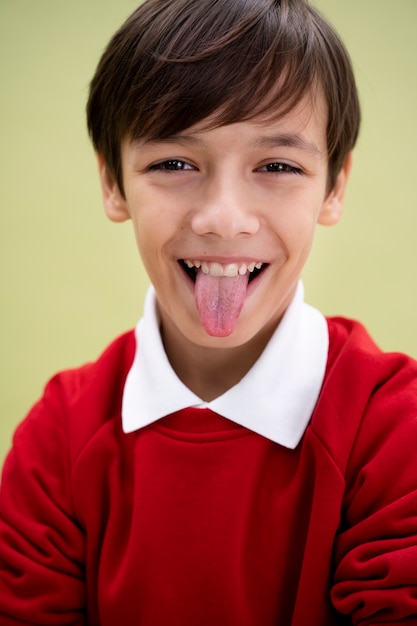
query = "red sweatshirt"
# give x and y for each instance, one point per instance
(195, 521)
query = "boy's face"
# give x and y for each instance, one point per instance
(243, 200)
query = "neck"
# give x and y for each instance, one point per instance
(210, 372)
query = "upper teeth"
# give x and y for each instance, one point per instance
(216, 269)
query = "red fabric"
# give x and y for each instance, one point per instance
(195, 520)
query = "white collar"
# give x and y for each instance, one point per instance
(275, 398)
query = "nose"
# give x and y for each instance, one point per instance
(226, 210)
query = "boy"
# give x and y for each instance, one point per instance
(239, 459)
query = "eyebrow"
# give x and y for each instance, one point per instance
(286, 140)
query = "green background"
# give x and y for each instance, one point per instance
(71, 281)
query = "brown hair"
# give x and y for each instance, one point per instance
(174, 63)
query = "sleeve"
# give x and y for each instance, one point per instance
(376, 551)
(41, 544)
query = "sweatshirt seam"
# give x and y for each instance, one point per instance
(329, 452)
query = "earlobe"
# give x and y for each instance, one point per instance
(114, 203)
(332, 208)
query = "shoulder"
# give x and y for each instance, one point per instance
(354, 354)
(100, 379)
(366, 393)
(78, 402)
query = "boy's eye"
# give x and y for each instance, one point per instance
(280, 168)
(171, 165)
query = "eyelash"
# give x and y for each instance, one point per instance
(171, 165)
(178, 165)
(281, 168)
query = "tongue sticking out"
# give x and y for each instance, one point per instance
(219, 301)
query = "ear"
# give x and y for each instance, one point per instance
(114, 203)
(332, 208)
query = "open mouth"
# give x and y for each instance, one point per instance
(220, 291)
(191, 267)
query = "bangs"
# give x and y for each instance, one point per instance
(255, 64)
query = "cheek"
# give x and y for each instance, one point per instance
(147, 236)
(294, 221)
(296, 224)
(154, 236)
